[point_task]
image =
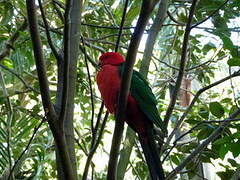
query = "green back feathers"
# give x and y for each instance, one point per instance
(142, 93)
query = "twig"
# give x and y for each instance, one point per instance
(204, 144)
(26, 148)
(174, 20)
(19, 77)
(121, 26)
(105, 37)
(94, 147)
(109, 12)
(180, 121)
(59, 13)
(233, 88)
(107, 27)
(97, 124)
(211, 15)
(94, 64)
(90, 84)
(56, 54)
(191, 130)
(182, 64)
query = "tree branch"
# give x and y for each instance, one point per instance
(211, 15)
(148, 52)
(26, 147)
(45, 94)
(40, 65)
(204, 144)
(182, 64)
(121, 26)
(180, 121)
(56, 54)
(145, 13)
(19, 77)
(66, 40)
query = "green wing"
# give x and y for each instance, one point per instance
(142, 93)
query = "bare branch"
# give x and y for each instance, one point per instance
(145, 13)
(204, 144)
(121, 26)
(19, 77)
(66, 39)
(152, 35)
(40, 65)
(211, 15)
(56, 54)
(180, 121)
(182, 64)
(26, 147)
(55, 127)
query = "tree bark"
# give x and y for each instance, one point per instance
(73, 38)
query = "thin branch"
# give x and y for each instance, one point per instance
(121, 26)
(90, 84)
(211, 15)
(55, 52)
(20, 78)
(182, 64)
(105, 37)
(107, 27)
(66, 39)
(175, 143)
(97, 124)
(10, 43)
(40, 65)
(26, 147)
(180, 121)
(109, 12)
(174, 20)
(204, 144)
(94, 64)
(152, 35)
(59, 13)
(145, 13)
(94, 147)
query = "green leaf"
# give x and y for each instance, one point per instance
(205, 131)
(233, 162)
(223, 151)
(175, 159)
(234, 61)
(225, 175)
(216, 109)
(234, 147)
(203, 112)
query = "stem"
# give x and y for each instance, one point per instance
(182, 64)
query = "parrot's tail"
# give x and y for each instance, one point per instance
(151, 155)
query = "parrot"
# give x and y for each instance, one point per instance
(141, 111)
